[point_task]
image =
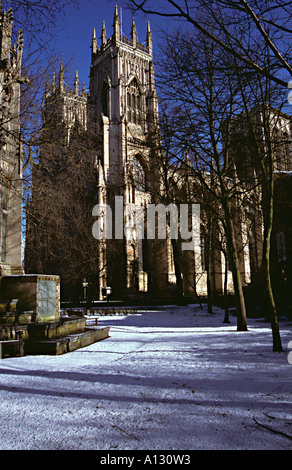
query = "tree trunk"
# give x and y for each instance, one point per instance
(236, 275)
(209, 264)
(226, 306)
(266, 274)
(270, 302)
(240, 302)
(209, 291)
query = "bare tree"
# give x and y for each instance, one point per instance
(204, 100)
(269, 154)
(214, 93)
(267, 20)
(39, 20)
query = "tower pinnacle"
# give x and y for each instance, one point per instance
(61, 78)
(103, 35)
(76, 84)
(54, 83)
(116, 24)
(93, 43)
(149, 39)
(134, 33)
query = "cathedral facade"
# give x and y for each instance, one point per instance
(121, 176)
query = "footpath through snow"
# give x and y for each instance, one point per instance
(171, 378)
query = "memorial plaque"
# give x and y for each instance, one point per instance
(47, 301)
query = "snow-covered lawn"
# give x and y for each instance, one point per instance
(173, 379)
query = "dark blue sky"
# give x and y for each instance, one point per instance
(75, 37)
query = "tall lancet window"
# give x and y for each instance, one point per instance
(104, 99)
(129, 107)
(134, 102)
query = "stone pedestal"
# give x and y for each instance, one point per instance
(36, 293)
(32, 307)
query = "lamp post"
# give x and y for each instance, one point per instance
(85, 285)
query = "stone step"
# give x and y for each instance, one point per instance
(65, 344)
(64, 327)
(11, 348)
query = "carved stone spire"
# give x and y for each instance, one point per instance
(54, 83)
(93, 43)
(61, 78)
(19, 50)
(6, 34)
(116, 25)
(149, 40)
(134, 34)
(103, 35)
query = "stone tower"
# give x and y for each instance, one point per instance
(58, 221)
(10, 149)
(123, 106)
(63, 107)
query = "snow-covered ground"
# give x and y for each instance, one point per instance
(174, 379)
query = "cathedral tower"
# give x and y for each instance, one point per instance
(58, 235)
(64, 107)
(124, 108)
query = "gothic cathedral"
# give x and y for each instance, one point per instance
(120, 117)
(101, 155)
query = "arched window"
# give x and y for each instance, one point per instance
(133, 102)
(129, 114)
(139, 175)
